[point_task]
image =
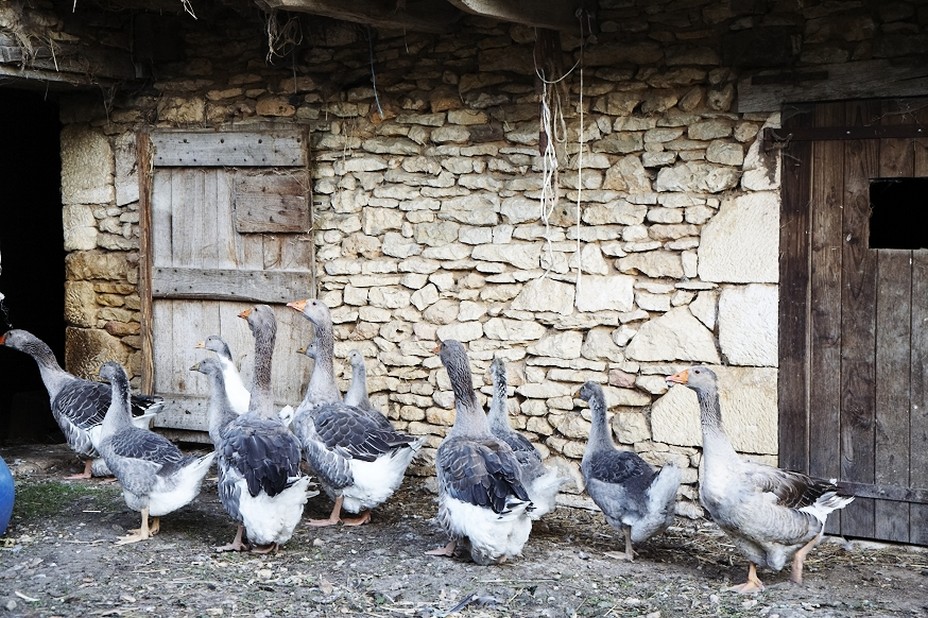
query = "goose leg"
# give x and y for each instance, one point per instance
(799, 559)
(270, 548)
(235, 545)
(752, 585)
(360, 520)
(86, 474)
(447, 550)
(629, 551)
(333, 519)
(155, 526)
(140, 534)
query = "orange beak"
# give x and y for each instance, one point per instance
(244, 314)
(298, 305)
(200, 345)
(681, 377)
(2, 338)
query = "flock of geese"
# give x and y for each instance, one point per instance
(492, 482)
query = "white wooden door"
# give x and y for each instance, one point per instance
(228, 225)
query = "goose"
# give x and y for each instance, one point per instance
(322, 387)
(360, 459)
(357, 391)
(634, 497)
(541, 482)
(260, 484)
(78, 405)
(481, 499)
(235, 388)
(771, 515)
(156, 477)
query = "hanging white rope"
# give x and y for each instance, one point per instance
(580, 141)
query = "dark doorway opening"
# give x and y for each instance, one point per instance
(898, 213)
(31, 257)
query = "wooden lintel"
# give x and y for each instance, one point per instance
(419, 16)
(767, 91)
(816, 134)
(557, 15)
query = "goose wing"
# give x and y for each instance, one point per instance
(357, 433)
(263, 452)
(481, 472)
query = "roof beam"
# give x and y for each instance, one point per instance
(556, 15)
(420, 16)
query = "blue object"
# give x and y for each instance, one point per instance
(7, 496)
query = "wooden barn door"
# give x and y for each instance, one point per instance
(226, 224)
(853, 373)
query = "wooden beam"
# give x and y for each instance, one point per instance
(556, 15)
(767, 91)
(253, 286)
(227, 149)
(416, 15)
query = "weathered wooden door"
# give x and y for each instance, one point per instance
(226, 224)
(853, 373)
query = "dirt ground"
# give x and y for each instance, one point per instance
(58, 559)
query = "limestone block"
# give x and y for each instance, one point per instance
(748, 325)
(609, 292)
(748, 398)
(599, 345)
(657, 264)
(389, 297)
(424, 296)
(398, 246)
(470, 310)
(545, 390)
(94, 265)
(515, 210)
(653, 302)
(545, 294)
(704, 308)
(126, 170)
(521, 255)
(675, 336)
(710, 129)
(574, 426)
(591, 260)
(376, 221)
(462, 331)
(87, 166)
(80, 227)
(741, 243)
(625, 397)
(80, 304)
(565, 345)
(470, 209)
(631, 427)
(503, 329)
(87, 348)
(726, 153)
(419, 265)
(697, 177)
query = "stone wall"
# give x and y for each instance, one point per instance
(660, 251)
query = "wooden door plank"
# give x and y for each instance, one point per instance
(792, 382)
(858, 324)
(143, 152)
(825, 282)
(162, 249)
(918, 428)
(264, 286)
(893, 334)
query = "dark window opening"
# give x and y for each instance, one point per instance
(32, 254)
(898, 213)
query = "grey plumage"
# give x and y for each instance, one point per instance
(771, 515)
(260, 484)
(634, 497)
(482, 500)
(78, 405)
(541, 482)
(155, 475)
(358, 456)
